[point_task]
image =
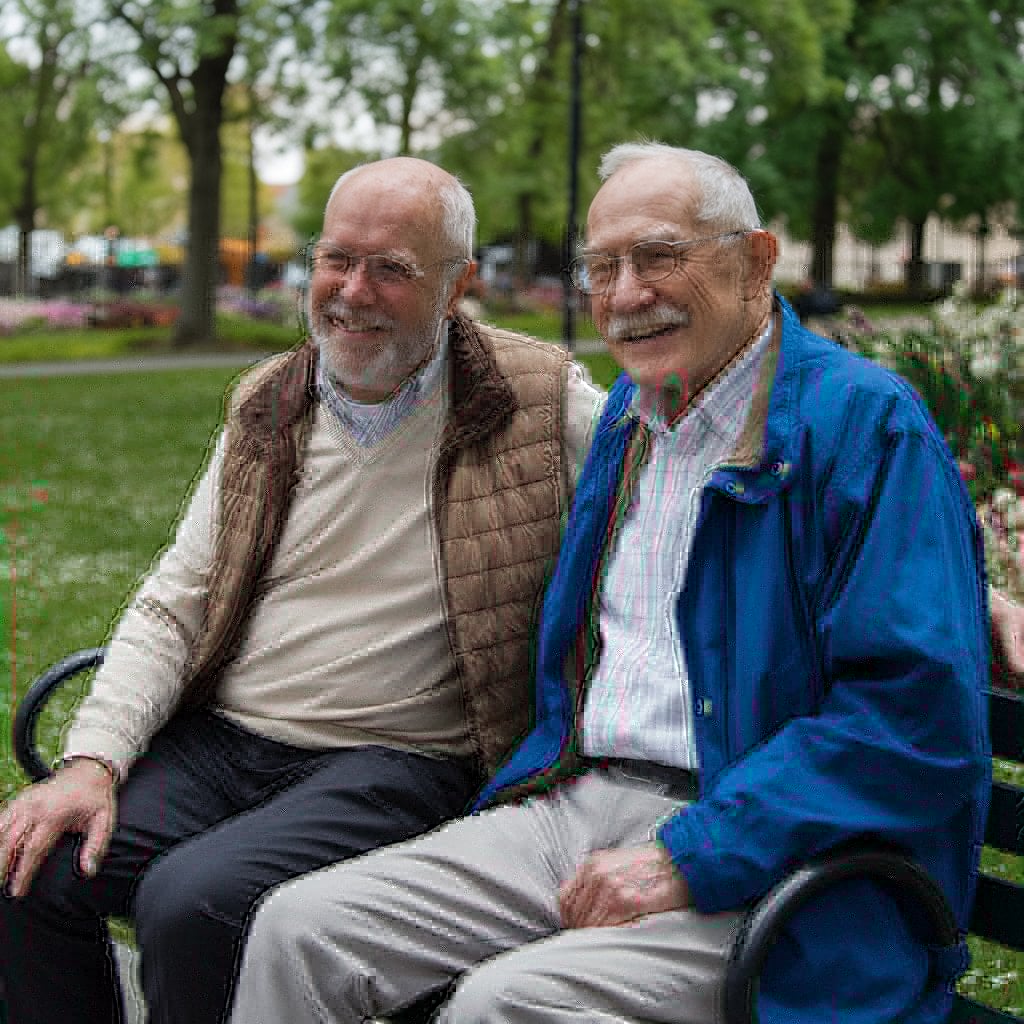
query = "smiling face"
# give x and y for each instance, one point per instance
(675, 334)
(373, 333)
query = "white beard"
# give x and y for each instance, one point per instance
(384, 368)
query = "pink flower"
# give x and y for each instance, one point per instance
(1015, 477)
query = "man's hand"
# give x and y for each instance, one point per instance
(78, 798)
(615, 886)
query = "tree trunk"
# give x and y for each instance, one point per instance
(524, 265)
(28, 201)
(198, 112)
(196, 322)
(980, 278)
(408, 98)
(254, 208)
(200, 130)
(23, 265)
(915, 265)
(825, 212)
(543, 79)
(25, 217)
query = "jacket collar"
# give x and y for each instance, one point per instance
(482, 400)
(750, 445)
(284, 397)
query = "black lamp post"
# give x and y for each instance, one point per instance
(571, 234)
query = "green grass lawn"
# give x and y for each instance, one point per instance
(92, 474)
(233, 332)
(93, 470)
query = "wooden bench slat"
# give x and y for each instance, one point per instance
(1005, 827)
(999, 911)
(1006, 725)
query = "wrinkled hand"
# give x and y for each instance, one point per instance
(78, 798)
(615, 886)
(1008, 619)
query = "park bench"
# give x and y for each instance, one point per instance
(998, 908)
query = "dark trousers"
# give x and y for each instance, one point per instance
(208, 820)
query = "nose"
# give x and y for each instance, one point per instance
(626, 291)
(356, 284)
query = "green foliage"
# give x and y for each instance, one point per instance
(972, 411)
(931, 146)
(919, 102)
(144, 174)
(50, 104)
(13, 82)
(641, 77)
(416, 67)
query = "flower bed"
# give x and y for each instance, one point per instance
(967, 363)
(137, 309)
(27, 314)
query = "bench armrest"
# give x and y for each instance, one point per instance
(35, 700)
(900, 876)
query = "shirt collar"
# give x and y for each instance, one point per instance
(369, 422)
(716, 406)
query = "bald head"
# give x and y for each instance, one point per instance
(443, 192)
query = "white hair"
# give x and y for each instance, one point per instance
(458, 215)
(726, 203)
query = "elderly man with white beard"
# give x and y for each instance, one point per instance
(335, 650)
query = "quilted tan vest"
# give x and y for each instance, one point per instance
(499, 490)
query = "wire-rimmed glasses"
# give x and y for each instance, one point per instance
(593, 272)
(380, 268)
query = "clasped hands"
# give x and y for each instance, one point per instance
(615, 886)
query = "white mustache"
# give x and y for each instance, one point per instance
(633, 325)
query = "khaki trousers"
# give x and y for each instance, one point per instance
(478, 899)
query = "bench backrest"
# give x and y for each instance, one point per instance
(999, 904)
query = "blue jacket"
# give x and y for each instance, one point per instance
(834, 627)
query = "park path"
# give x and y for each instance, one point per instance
(147, 364)
(130, 364)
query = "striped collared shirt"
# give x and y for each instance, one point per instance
(638, 704)
(370, 422)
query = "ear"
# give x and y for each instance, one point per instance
(758, 263)
(459, 288)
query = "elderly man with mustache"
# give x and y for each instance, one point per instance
(765, 636)
(335, 651)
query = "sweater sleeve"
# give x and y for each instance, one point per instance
(138, 686)
(897, 745)
(583, 406)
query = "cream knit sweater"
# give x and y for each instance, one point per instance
(346, 642)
